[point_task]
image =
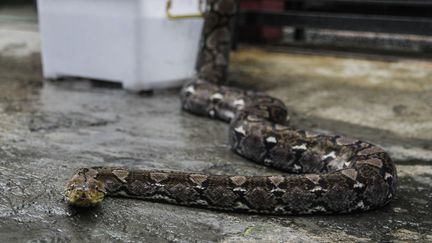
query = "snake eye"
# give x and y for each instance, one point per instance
(99, 189)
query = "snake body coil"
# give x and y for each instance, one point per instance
(328, 174)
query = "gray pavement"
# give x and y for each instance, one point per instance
(48, 129)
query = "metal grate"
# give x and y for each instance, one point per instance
(404, 17)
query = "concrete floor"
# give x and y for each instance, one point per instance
(47, 129)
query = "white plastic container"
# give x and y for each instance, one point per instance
(128, 41)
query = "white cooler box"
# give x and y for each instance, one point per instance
(128, 41)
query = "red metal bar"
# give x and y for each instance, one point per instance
(261, 32)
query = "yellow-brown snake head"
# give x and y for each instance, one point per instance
(82, 191)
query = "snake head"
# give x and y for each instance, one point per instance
(82, 191)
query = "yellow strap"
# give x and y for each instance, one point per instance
(184, 16)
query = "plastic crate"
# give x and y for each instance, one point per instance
(133, 42)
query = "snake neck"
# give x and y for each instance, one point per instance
(216, 40)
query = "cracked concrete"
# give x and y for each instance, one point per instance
(48, 129)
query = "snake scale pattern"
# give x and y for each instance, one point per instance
(326, 174)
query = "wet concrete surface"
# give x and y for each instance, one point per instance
(48, 129)
(58, 126)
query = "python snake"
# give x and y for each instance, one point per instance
(327, 173)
